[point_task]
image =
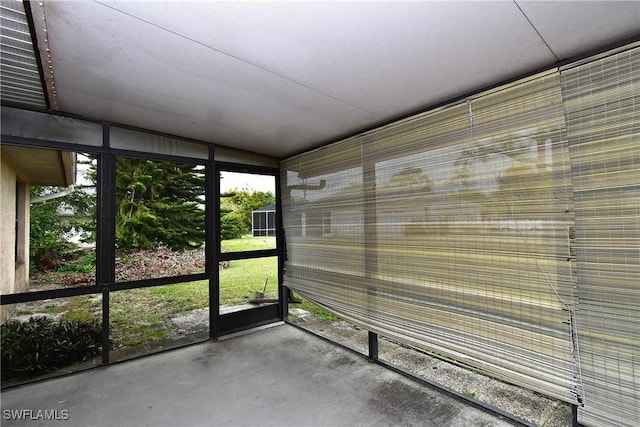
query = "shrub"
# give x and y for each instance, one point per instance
(85, 263)
(42, 345)
(49, 235)
(231, 227)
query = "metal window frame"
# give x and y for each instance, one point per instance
(234, 322)
(219, 325)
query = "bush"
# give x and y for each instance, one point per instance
(85, 263)
(49, 243)
(231, 227)
(42, 345)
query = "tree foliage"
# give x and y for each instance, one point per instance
(159, 203)
(231, 226)
(48, 243)
(52, 222)
(408, 180)
(237, 207)
(524, 183)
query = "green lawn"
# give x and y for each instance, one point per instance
(141, 315)
(242, 278)
(144, 314)
(248, 243)
(240, 281)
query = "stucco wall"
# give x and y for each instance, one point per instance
(22, 263)
(14, 276)
(7, 231)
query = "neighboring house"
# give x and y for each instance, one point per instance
(20, 168)
(263, 222)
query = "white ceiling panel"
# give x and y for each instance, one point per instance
(280, 77)
(570, 28)
(378, 56)
(136, 73)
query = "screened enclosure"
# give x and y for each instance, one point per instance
(498, 228)
(501, 231)
(264, 221)
(122, 248)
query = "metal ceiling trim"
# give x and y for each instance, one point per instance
(37, 52)
(630, 44)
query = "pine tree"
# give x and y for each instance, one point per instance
(159, 203)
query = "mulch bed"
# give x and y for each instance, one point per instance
(138, 264)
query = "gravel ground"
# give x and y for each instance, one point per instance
(533, 407)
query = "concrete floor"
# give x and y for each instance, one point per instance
(275, 376)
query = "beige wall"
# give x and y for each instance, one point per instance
(14, 271)
(22, 263)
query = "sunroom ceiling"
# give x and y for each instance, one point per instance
(279, 78)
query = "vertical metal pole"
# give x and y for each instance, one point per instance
(283, 291)
(285, 297)
(106, 344)
(212, 245)
(574, 416)
(373, 346)
(105, 233)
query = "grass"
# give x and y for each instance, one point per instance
(137, 317)
(240, 281)
(81, 307)
(142, 315)
(183, 297)
(469, 393)
(248, 243)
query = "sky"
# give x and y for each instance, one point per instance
(252, 182)
(230, 180)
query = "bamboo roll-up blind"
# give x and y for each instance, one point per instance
(602, 103)
(450, 230)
